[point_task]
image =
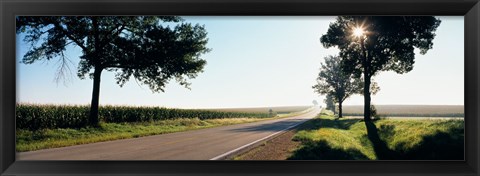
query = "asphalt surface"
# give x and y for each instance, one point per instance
(204, 144)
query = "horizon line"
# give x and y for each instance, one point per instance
(231, 107)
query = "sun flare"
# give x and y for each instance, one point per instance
(358, 32)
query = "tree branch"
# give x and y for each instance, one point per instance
(113, 34)
(57, 25)
(118, 65)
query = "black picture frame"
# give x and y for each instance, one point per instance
(470, 9)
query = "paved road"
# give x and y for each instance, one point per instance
(204, 144)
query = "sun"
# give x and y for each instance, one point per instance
(358, 31)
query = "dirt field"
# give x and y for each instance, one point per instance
(279, 109)
(409, 110)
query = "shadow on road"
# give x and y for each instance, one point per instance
(273, 127)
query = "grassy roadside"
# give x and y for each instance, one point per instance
(27, 140)
(325, 138)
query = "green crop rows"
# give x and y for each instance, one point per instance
(34, 117)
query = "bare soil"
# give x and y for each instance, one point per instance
(279, 148)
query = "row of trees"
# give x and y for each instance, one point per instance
(369, 45)
(157, 49)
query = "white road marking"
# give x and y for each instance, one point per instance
(251, 143)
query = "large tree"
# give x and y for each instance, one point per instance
(333, 82)
(152, 49)
(371, 44)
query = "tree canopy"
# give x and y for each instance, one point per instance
(387, 44)
(152, 49)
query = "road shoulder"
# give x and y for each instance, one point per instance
(279, 148)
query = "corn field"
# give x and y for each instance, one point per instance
(34, 117)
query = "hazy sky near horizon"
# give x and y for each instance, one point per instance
(259, 62)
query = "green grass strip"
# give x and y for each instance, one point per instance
(325, 138)
(51, 138)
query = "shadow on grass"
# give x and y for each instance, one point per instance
(379, 146)
(320, 150)
(438, 146)
(343, 124)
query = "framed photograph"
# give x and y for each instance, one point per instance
(239, 87)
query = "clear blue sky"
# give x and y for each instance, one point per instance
(258, 62)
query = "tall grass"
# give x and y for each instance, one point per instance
(35, 117)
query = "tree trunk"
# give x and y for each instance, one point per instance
(334, 109)
(366, 92)
(340, 110)
(366, 87)
(93, 119)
